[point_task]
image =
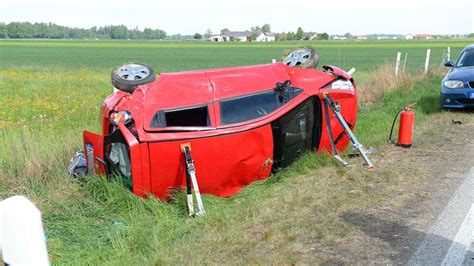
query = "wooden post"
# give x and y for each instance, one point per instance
(405, 62)
(448, 53)
(397, 63)
(427, 61)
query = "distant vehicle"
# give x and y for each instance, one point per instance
(239, 123)
(457, 87)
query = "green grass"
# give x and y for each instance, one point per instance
(50, 91)
(178, 56)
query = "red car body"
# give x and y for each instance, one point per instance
(228, 154)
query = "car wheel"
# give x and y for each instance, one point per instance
(303, 57)
(128, 76)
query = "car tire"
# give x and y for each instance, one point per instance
(303, 57)
(127, 77)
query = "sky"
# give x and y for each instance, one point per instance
(189, 17)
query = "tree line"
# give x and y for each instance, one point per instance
(20, 30)
(281, 36)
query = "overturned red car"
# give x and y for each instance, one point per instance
(237, 123)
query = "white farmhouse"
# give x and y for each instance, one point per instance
(311, 35)
(409, 37)
(219, 38)
(339, 37)
(240, 36)
(265, 37)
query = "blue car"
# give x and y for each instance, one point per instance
(457, 87)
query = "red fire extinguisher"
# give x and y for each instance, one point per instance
(405, 130)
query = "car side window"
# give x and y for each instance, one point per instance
(186, 117)
(253, 106)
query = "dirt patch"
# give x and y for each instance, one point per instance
(344, 216)
(426, 176)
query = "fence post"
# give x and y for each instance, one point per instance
(274, 61)
(427, 61)
(448, 53)
(397, 64)
(405, 62)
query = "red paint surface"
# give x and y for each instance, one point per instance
(338, 72)
(224, 164)
(97, 142)
(405, 132)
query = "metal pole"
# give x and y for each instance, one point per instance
(348, 131)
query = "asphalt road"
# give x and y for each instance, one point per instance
(450, 240)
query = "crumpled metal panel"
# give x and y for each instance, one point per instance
(224, 164)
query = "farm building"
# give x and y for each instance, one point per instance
(219, 38)
(311, 35)
(424, 36)
(243, 36)
(240, 36)
(361, 37)
(409, 37)
(265, 37)
(339, 37)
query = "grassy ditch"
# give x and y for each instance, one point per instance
(291, 217)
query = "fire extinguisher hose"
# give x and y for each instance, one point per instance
(393, 125)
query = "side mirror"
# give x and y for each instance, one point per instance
(448, 63)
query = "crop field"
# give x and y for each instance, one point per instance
(52, 90)
(167, 56)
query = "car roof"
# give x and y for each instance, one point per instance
(193, 88)
(469, 47)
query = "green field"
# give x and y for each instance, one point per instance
(51, 90)
(168, 56)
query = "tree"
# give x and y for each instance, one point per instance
(348, 35)
(470, 35)
(148, 33)
(266, 28)
(323, 36)
(53, 31)
(225, 31)
(119, 32)
(299, 33)
(3, 31)
(290, 36)
(197, 36)
(154, 34)
(40, 30)
(281, 36)
(255, 29)
(20, 30)
(207, 34)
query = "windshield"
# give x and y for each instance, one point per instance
(466, 58)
